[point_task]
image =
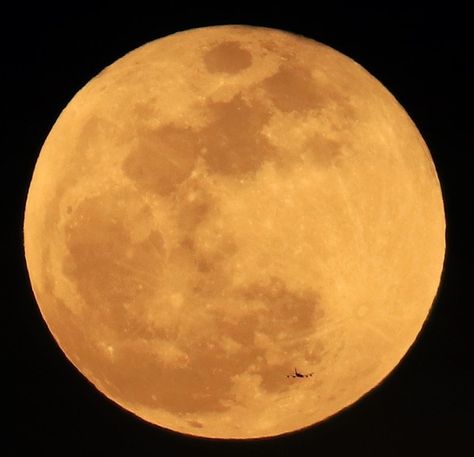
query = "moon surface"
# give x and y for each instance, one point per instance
(222, 206)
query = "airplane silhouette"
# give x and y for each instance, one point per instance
(297, 374)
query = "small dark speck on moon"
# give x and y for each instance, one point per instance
(195, 424)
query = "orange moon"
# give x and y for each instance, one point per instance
(223, 206)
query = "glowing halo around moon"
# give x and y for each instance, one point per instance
(222, 206)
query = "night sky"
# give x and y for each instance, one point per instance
(423, 56)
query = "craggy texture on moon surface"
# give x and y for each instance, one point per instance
(221, 206)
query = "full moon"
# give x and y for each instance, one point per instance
(234, 232)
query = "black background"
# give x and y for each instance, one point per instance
(422, 55)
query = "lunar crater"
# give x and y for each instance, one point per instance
(227, 57)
